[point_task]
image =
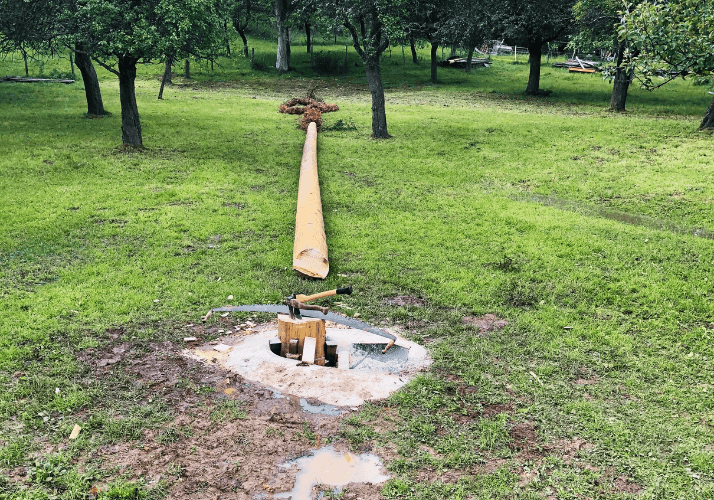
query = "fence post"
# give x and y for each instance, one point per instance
(515, 53)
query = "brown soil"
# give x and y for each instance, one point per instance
(234, 457)
(485, 324)
(405, 300)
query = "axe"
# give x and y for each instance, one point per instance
(297, 302)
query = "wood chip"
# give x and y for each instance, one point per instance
(75, 432)
(190, 339)
(222, 347)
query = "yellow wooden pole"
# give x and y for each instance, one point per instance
(310, 248)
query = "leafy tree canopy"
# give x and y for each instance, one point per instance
(676, 35)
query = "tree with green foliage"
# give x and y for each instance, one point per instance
(34, 25)
(424, 18)
(130, 31)
(598, 22)
(674, 38)
(533, 23)
(469, 23)
(367, 22)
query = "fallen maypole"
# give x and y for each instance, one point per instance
(310, 247)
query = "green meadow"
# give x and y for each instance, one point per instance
(589, 232)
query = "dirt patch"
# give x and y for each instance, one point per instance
(353, 491)
(625, 485)
(228, 436)
(582, 381)
(405, 300)
(232, 458)
(485, 324)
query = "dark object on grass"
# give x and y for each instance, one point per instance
(23, 79)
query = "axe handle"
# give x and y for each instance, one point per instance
(309, 298)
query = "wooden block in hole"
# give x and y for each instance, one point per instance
(293, 346)
(292, 328)
(308, 350)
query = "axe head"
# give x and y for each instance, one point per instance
(293, 311)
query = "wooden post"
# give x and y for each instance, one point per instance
(310, 247)
(298, 330)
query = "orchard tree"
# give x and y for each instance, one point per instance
(283, 9)
(468, 22)
(674, 35)
(598, 22)
(533, 23)
(367, 22)
(130, 31)
(41, 25)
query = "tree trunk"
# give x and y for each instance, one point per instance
(187, 69)
(228, 42)
(167, 75)
(282, 63)
(309, 39)
(434, 47)
(379, 115)
(71, 62)
(453, 49)
(95, 105)
(621, 83)
(241, 33)
(24, 58)
(414, 52)
(130, 124)
(536, 52)
(708, 121)
(469, 58)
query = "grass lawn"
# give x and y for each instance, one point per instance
(483, 202)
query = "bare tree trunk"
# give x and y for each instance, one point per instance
(167, 75)
(95, 105)
(308, 36)
(453, 49)
(282, 63)
(708, 121)
(379, 115)
(24, 58)
(412, 46)
(469, 58)
(434, 47)
(228, 42)
(187, 69)
(241, 33)
(535, 53)
(130, 123)
(71, 62)
(621, 82)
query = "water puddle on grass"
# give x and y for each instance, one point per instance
(326, 466)
(624, 217)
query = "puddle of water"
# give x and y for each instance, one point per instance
(328, 467)
(321, 409)
(369, 357)
(627, 218)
